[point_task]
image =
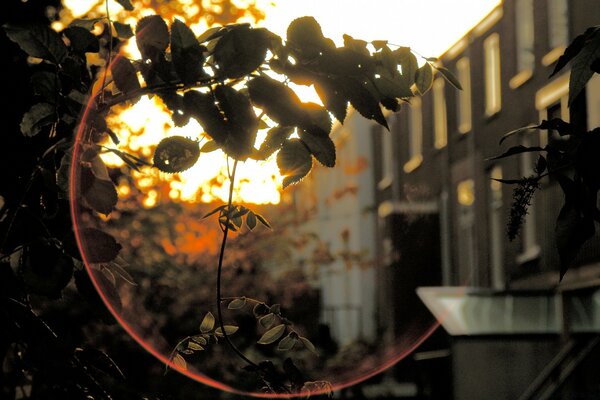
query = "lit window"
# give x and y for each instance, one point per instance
(439, 108)
(493, 96)
(525, 35)
(496, 226)
(465, 192)
(558, 28)
(530, 248)
(463, 67)
(387, 168)
(415, 136)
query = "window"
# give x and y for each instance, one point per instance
(386, 151)
(491, 47)
(558, 23)
(440, 126)
(525, 35)
(415, 136)
(496, 228)
(551, 101)
(465, 192)
(463, 67)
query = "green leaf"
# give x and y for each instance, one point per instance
(278, 101)
(38, 41)
(581, 71)
(321, 147)
(266, 321)
(308, 344)
(124, 31)
(82, 40)
(179, 362)
(238, 303)
(287, 343)
(194, 346)
(152, 36)
(449, 76)
(424, 78)
(240, 51)
(517, 150)
(272, 335)
(105, 248)
(209, 147)
(126, 4)
(186, 52)
(408, 62)
(275, 308)
(200, 340)
(379, 44)
(251, 220)
(229, 330)
(294, 162)
(124, 75)
(39, 116)
(176, 154)
(208, 323)
(275, 138)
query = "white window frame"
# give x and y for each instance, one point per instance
(463, 67)
(440, 120)
(493, 83)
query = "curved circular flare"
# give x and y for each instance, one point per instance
(151, 344)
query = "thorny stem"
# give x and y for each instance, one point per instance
(220, 268)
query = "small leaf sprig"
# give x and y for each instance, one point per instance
(275, 324)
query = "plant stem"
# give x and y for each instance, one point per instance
(220, 268)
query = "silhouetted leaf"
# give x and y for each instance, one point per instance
(208, 323)
(449, 76)
(363, 101)
(46, 85)
(216, 210)
(82, 40)
(379, 44)
(124, 75)
(240, 51)
(99, 193)
(280, 102)
(272, 335)
(176, 154)
(44, 269)
(332, 95)
(124, 31)
(209, 147)
(38, 41)
(211, 33)
(573, 49)
(572, 231)
(236, 304)
(103, 248)
(581, 70)
(315, 120)
(202, 107)
(408, 62)
(424, 78)
(175, 102)
(262, 220)
(517, 150)
(305, 38)
(294, 162)
(39, 116)
(275, 138)
(126, 4)
(321, 147)
(251, 220)
(88, 24)
(152, 36)
(186, 52)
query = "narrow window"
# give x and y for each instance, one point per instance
(439, 108)
(463, 67)
(558, 23)
(415, 136)
(496, 228)
(493, 98)
(525, 35)
(465, 192)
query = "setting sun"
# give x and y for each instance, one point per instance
(142, 125)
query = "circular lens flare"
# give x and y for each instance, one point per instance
(150, 322)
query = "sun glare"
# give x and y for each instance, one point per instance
(143, 125)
